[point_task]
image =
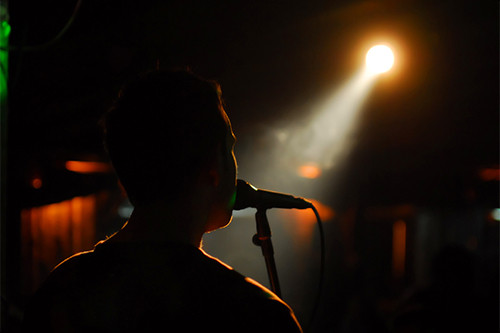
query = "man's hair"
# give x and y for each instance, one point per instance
(163, 129)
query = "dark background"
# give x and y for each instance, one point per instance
(428, 131)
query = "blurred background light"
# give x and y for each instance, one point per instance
(495, 214)
(490, 174)
(398, 248)
(310, 171)
(87, 166)
(36, 183)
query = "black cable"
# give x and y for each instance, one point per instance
(56, 38)
(321, 269)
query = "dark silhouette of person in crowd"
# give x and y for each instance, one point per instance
(171, 144)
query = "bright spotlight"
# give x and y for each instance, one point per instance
(379, 59)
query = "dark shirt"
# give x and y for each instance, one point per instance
(141, 287)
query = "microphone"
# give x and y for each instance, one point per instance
(248, 195)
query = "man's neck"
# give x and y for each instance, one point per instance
(160, 222)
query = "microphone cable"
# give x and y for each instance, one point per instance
(321, 270)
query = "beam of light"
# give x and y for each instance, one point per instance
(379, 59)
(297, 155)
(326, 136)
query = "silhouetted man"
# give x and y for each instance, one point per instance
(171, 144)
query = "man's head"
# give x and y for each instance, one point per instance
(164, 131)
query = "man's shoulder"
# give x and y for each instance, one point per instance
(252, 302)
(68, 272)
(235, 279)
(158, 268)
(158, 282)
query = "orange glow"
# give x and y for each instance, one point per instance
(53, 232)
(310, 171)
(36, 183)
(303, 221)
(489, 174)
(398, 248)
(87, 166)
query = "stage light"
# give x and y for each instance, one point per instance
(379, 59)
(325, 137)
(307, 157)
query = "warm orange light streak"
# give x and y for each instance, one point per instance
(303, 221)
(87, 166)
(398, 248)
(53, 232)
(310, 171)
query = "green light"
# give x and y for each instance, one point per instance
(6, 28)
(232, 201)
(4, 55)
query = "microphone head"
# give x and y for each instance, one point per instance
(246, 195)
(250, 196)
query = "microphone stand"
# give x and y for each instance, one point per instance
(263, 239)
